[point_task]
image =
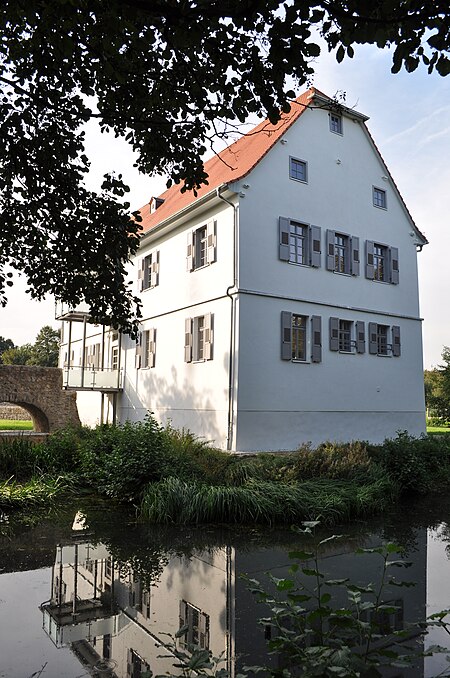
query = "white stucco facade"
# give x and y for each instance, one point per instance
(245, 389)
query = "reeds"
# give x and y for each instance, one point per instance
(14, 494)
(173, 500)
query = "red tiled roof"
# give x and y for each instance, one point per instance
(237, 160)
(231, 164)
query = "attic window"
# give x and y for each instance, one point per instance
(298, 170)
(379, 198)
(335, 123)
(155, 203)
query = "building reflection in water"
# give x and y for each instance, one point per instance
(119, 622)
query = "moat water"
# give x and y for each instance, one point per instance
(106, 600)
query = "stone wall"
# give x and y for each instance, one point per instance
(13, 413)
(39, 391)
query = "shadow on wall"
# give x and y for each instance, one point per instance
(182, 405)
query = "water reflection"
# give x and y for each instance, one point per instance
(117, 614)
(113, 590)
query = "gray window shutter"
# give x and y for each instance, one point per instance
(373, 344)
(138, 355)
(369, 260)
(316, 339)
(316, 248)
(152, 347)
(190, 251)
(334, 334)
(396, 346)
(393, 261)
(208, 336)
(286, 335)
(211, 241)
(354, 255)
(331, 263)
(360, 337)
(188, 340)
(284, 225)
(141, 274)
(155, 268)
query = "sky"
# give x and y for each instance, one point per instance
(410, 122)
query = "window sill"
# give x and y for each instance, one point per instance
(379, 207)
(294, 263)
(299, 181)
(346, 275)
(347, 352)
(301, 362)
(199, 268)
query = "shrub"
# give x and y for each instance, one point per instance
(415, 464)
(120, 460)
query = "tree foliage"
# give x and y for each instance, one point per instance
(18, 355)
(5, 344)
(437, 388)
(168, 76)
(44, 352)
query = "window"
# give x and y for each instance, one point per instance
(198, 342)
(294, 337)
(298, 337)
(299, 243)
(149, 272)
(146, 349)
(382, 263)
(347, 336)
(384, 340)
(115, 358)
(196, 623)
(149, 341)
(335, 123)
(136, 665)
(145, 603)
(201, 246)
(379, 262)
(342, 253)
(298, 170)
(379, 198)
(92, 356)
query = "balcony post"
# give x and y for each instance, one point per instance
(83, 352)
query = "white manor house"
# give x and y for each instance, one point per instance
(280, 304)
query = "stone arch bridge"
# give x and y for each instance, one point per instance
(39, 390)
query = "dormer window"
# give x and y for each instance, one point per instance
(335, 123)
(155, 203)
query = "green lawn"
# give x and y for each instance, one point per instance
(15, 425)
(442, 430)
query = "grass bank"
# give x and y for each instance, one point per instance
(170, 476)
(15, 425)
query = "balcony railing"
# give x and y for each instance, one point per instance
(92, 378)
(65, 312)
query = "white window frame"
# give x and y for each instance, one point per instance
(148, 343)
(347, 344)
(294, 239)
(297, 331)
(380, 262)
(200, 247)
(379, 198)
(292, 169)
